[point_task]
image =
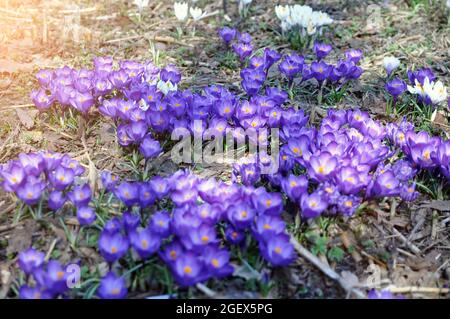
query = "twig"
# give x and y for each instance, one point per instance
(429, 290)
(4, 108)
(434, 222)
(405, 241)
(325, 269)
(85, 10)
(9, 227)
(57, 131)
(50, 250)
(154, 38)
(210, 293)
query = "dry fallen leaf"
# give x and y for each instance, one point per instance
(21, 237)
(26, 118)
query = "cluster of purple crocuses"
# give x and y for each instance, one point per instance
(51, 278)
(45, 175)
(193, 248)
(348, 159)
(291, 65)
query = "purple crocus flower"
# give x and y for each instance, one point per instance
(294, 186)
(160, 186)
(216, 262)
(227, 34)
(55, 278)
(354, 55)
(32, 163)
(119, 79)
(267, 226)
(80, 195)
(240, 215)
(45, 77)
(144, 242)
(172, 252)
(188, 269)
(403, 170)
(62, 177)
(160, 224)
(320, 71)
(348, 180)
(243, 50)
(270, 57)
(245, 38)
(322, 166)
(383, 294)
(146, 195)
(278, 250)
(347, 205)
(322, 49)
(112, 246)
(112, 287)
(128, 193)
(234, 236)
(41, 100)
(385, 184)
(130, 221)
(27, 292)
(56, 200)
(137, 130)
(408, 192)
(86, 215)
(277, 95)
(30, 260)
(396, 87)
(82, 101)
(149, 147)
(13, 176)
(109, 181)
(113, 225)
(257, 62)
(170, 73)
(199, 238)
(312, 205)
(269, 203)
(420, 76)
(30, 192)
(289, 68)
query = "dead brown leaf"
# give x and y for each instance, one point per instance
(21, 237)
(26, 118)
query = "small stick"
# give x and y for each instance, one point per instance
(434, 223)
(325, 269)
(429, 290)
(15, 106)
(50, 250)
(210, 293)
(405, 241)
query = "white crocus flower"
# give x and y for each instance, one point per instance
(141, 4)
(166, 87)
(285, 26)
(390, 63)
(196, 13)
(311, 29)
(448, 4)
(181, 10)
(282, 12)
(418, 88)
(436, 91)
